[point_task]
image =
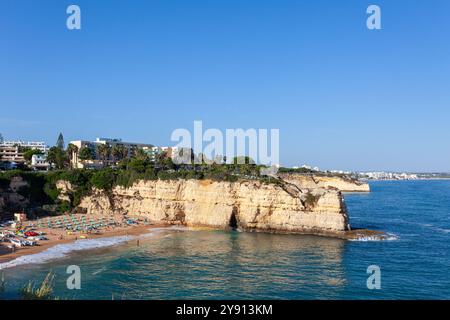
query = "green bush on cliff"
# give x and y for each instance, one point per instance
(64, 206)
(51, 190)
(137, 165)
(295, 170)
(126, 178)
(311, 199)
(168, 175)
(104, 179)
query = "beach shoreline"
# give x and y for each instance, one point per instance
(7, 255)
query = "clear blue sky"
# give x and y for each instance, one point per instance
(343, 97)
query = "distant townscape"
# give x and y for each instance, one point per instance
(79, 154)
(107, 152)
(379, 175)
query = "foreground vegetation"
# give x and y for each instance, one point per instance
(33, 290)
(43, 291)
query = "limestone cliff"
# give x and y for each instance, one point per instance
(249, 205)
(284, 206)
(11, 200)
(341, 183)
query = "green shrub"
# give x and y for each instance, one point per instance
(51, 190)
(137, 165)
(167, 175)
(64, 206)
(79, 193)
(311, 199)
(150, 174)
(103, 179)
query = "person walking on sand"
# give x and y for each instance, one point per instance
(137, 242)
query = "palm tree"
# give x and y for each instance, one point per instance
(72, 151)
(103, 151)
(119, 152)
(140, 154)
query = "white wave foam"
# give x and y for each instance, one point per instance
(387, 237)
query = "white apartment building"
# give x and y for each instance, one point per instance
(38, 145)
(39, 162)
(12, 151)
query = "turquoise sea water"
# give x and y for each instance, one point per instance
(183, 264)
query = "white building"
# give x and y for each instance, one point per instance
(12, 151)
(39, 162)
(35, 145)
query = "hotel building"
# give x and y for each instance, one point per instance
(97, 161)
(12, 151)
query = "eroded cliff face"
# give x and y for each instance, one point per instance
(327, 182)
(249, 205)
(10, 200)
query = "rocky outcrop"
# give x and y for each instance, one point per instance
(65, 188)
(248, 205)
(10, 200)
(341, 183)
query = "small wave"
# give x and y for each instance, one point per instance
(433, 227)
(99, 271)
(443, 230)
(387, 237)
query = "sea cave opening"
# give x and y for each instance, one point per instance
(233, 223)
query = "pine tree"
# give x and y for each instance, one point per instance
(60, 141)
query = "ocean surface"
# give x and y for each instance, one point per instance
(178, 263)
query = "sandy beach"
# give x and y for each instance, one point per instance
(61, 236)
